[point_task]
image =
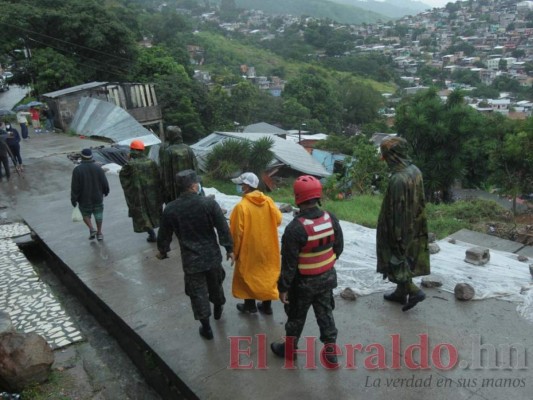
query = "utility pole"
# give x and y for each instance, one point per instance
(300, 132)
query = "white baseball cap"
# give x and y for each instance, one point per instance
(248, 178)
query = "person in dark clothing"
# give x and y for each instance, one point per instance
(4, 153)
(49, 116)
(13, 141)
(193, 219)
(310, 246)
(88, 187)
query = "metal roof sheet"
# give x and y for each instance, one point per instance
(286, 152)
(103, 119)
(74, 89)
(263, 127)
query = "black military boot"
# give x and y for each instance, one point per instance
(152, 238)
(205, 329)
(279, 350)
(396, 297)
(248, 307)
(329, 356)
(265, 307)
(217, 311)
(414, 299)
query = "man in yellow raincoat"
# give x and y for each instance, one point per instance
(254, 227)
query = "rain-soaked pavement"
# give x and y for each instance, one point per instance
(441, 349)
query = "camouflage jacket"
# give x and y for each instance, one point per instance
(142, 189)
(174, 158)
(402, 233)
(193, 219)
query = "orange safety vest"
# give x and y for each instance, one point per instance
(317, 255)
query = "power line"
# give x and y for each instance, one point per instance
(65, 41)
(118, 70)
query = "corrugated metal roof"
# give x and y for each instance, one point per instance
(285, 152)
(74, 89)
(263, 127)
(103, 119)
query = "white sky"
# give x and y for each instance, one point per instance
(437, 3)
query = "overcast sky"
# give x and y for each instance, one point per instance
(437, 3)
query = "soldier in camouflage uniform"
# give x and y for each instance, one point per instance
(141, 183)
(402, 233)
(193, 219)
(311, 244)
(174, 156)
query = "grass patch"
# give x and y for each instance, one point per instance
(443, 219)
(56, 388)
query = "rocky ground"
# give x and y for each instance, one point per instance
(95, 369)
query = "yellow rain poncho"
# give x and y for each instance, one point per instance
(254, 227)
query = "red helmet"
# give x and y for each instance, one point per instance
(137, 145)
(306, 187)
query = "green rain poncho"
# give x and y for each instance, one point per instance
(174, 156)
(402, 233)
(141, 183)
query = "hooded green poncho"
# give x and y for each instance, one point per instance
(402, 233)
(141, 183)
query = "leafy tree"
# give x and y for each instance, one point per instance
(466, 76)
(367, 172)
(506, 84)
(243, 101)
(233, 156)
(89, 32)
(502, 64)
(479, 145)
(338, 144)
(485, 92)
(360, 102)
(313, 91)
(294, 114)
(217, 112)
(53, 71)
(436, 132)
(512, 162)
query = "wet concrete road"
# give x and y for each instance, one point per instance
(143, 299)
(10, 97)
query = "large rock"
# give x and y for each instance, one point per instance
(285, 208)
(348, 294)
(25, 359)
(431, 237)
(477, 255)
(432, 281)
(464, 291)
(5, 323)
(531, 269)
(434, 248)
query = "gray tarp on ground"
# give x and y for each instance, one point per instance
(103, 119)
(285, 152)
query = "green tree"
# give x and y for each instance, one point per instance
(294, 114)
(512, 161)
(234, 156)
(91, 33)
(367, 172)
(360, 102)
(436, 132)
(313, 91)
(53, 71)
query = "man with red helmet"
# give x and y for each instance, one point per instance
(141, 183)
(310, 245)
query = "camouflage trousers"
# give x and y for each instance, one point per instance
(203, 288)
(323, 305)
